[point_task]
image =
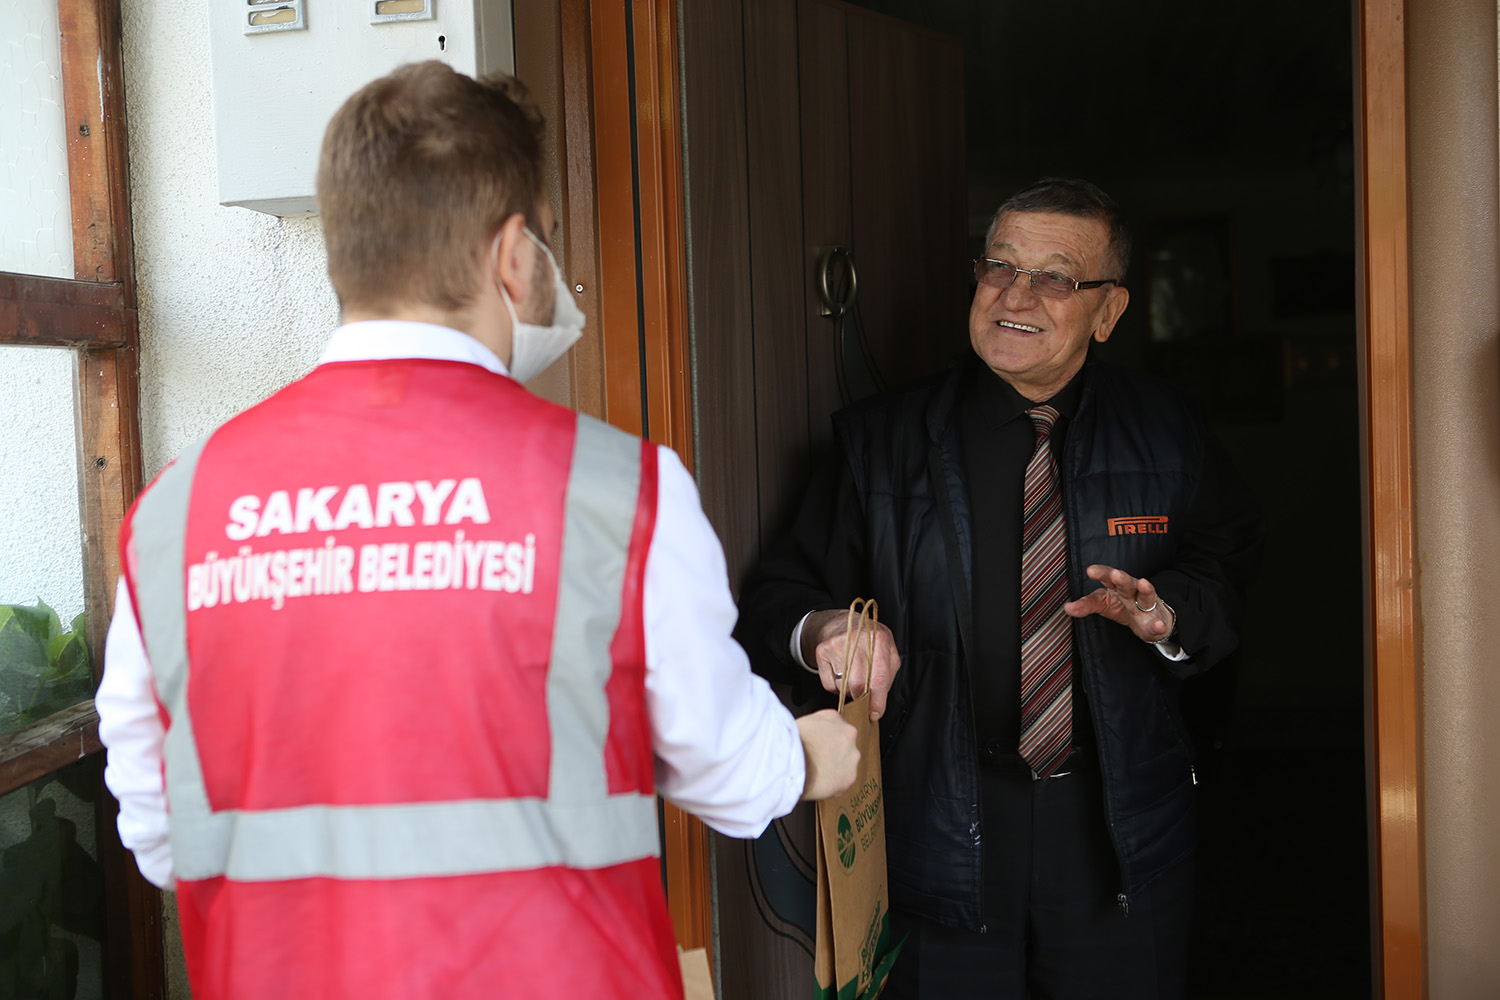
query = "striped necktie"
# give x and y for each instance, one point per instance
(1046, 631)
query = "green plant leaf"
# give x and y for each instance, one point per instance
(23, 659)
(80, 906)
(53, 698)
(67, 658)
(62, 968)
(35, 861)
(54, 624)
(26, 620)
(49, 885)
(33, 948)
(14, 903)
(42, 669)
(21, 648)
(55, 647)
(18, 691)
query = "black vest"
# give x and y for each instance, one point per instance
(1135, 450)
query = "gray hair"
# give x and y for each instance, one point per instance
(1067, 196)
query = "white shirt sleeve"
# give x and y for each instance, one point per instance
(131, 730)
(1171, 651)
(797, 643)
(726, 749)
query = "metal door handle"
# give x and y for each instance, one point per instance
(825, 278)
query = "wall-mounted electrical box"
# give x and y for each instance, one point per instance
(281, 69)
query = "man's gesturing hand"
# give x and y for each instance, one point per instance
(823, 640)
(832, 758)
(1121, 599)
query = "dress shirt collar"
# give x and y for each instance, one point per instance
(1000, 403)
(389, 339)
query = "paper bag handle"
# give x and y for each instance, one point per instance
(868, 615)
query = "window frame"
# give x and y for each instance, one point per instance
(94, 315)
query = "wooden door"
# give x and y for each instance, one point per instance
(746, 67)
(811, 124)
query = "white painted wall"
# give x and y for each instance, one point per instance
(233, 304)
(40, 546)
(36, 229)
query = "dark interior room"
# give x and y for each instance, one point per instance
(1225, 133)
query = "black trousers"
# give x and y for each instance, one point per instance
(1054, 928)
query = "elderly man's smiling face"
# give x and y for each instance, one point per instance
(1038, 344)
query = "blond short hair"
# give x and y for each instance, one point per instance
(418, 171)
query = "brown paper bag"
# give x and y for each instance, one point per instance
(854, 953)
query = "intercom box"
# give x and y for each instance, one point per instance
(281, 68)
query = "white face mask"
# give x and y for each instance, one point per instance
(533, 348)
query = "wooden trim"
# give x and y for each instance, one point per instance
(1387, 372)
(663, 239)
(108, 430)
(689, 890)
(109, 473)
(45, 746)
(37, 311)
(107, 396)
(642, 295)
(579, 219)
(638, 203)
(666, 369)
(615, 203)
(94, 109)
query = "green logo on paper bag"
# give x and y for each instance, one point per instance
(846, 841)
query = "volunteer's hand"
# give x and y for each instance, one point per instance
(832, 757)
(1127, 600)
(823, 642)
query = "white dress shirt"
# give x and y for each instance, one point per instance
(726, 750)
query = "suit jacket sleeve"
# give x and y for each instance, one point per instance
(1217, 557)
(818, 565)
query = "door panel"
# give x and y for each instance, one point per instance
(810, 124)
(827, 211)
(776, 206)
(907, 185)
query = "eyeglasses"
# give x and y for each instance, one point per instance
(1052, 284)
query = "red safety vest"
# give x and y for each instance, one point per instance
(394, 620)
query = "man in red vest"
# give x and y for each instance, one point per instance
(402, 655)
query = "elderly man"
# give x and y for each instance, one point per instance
(403, 653)
(1054, 543)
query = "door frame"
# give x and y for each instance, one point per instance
(619, 146)
(1393, 709)
(642, 356)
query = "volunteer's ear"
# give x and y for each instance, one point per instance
(514, 259)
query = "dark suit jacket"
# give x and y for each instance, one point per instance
(894, 522)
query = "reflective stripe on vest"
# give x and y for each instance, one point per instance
(579, 825)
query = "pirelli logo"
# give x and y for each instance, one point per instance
(1155, 524)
